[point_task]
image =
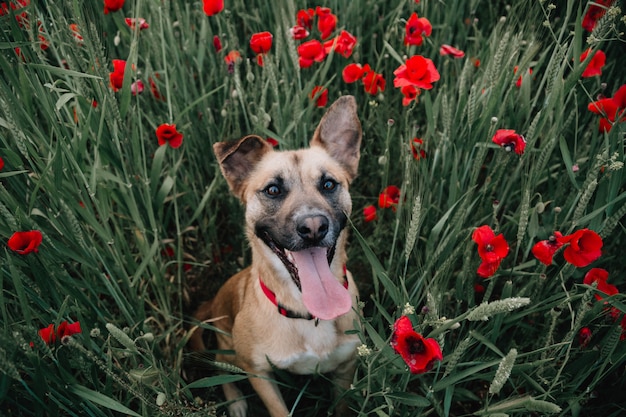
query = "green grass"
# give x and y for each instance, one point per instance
(113, 206)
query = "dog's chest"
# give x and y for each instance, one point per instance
(322, 351)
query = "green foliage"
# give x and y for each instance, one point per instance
(135, 235)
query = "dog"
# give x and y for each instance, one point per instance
(293, 307)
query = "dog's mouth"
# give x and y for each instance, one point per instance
(323, 295)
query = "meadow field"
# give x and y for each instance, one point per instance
(488, 213)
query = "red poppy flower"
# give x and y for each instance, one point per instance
(489, 244)
(76, 33)
(112, 5)
(309, 52)
(416, 71)
(272, 142)
(419, 353)
(68, 329)
(488, 268)
(49, 335)
(43, 42)
(137, 87)
(25, 242)
(409, 93)
(613, 109)
(261, 42)
(509, 140)
(373, 81)
(596, 10)
(304, 18)
(154, 89)
(320, 95)
(389, 198)
(369, 213)
(600, 276)
(4, 8)
(212, 7)
(168, 252)
(492, 250)
(326, 21)
(167, 134)
(1, 164)
(416, 149)
(20, 17)
(343, 44)
(299, 32)
(544, 250)
(584, 336)
(585, 246)
(594, 66)
(416, 27)
(352, 73)
(479, 288)
(518, 83)
(117, 76)
(19, 54)
(137, 23)
(232, 57)
(217, 43)
(451, 50)
(608, 108)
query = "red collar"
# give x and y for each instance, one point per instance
(271, 295)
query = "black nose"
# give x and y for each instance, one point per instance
(312, 229)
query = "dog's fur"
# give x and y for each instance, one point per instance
(296, 202)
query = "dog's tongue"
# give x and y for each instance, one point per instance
(324, 296)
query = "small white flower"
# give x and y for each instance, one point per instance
(408, 309)
(363, 351)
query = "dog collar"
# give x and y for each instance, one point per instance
(271, 295)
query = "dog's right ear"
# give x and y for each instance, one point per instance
(339, 132)
(238, 158)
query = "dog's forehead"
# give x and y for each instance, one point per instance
(304, 164)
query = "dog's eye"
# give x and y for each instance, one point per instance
(273, 190)
(329, 185)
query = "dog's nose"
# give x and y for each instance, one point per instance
(313, 229)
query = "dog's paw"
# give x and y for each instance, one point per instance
(238, 409)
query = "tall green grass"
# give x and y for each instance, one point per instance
(135, 235)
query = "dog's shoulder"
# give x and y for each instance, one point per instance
(231, 296)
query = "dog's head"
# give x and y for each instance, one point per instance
(297, 202)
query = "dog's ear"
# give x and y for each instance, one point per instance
(339, 132)
(238, 158)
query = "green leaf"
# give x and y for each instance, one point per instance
(567, 160)
(409, 398)
(101, 399)
(63, 72)
(213, 381)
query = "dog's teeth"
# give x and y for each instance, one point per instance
(289, 256)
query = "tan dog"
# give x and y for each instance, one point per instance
(293, 306)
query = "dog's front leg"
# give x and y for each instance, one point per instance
(239, 406)
(270, 394)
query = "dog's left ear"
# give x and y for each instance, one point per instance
(237, 160)
(339, 133)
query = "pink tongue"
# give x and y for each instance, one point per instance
(324, 296)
